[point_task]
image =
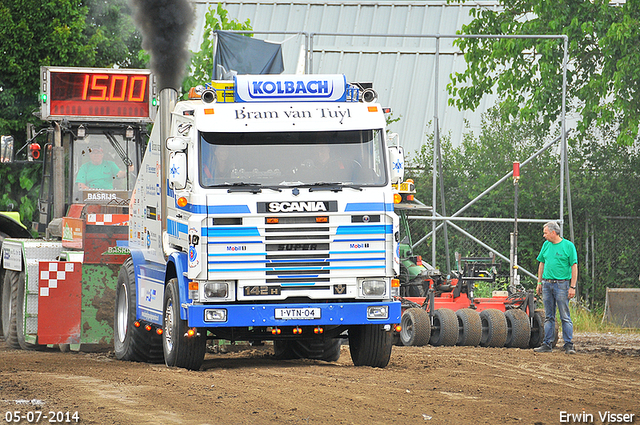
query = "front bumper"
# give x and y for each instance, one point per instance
(245, 315)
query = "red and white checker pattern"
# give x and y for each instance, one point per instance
(57, 271)
(108, 219)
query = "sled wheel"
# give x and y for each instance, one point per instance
(518, 329)
(415, 327)
(469, 327)
(9, 305)
(494, 328)
(444, 330)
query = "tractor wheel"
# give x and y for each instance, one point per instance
(132, 343)
(9, 307)
(370, 345)
(415, 327)
(445, 327)
(469, 327)
(518, 329)
(180, 350)
(494, 328)
(21, 293)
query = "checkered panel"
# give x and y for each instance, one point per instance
(54, 273)
(108, 219)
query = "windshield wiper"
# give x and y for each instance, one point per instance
(334, 187)
(248, 187)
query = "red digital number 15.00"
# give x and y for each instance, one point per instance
(114, 87)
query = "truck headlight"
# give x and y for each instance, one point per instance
(373, 288)
(378, 312)
(215, 315)
(216, 289)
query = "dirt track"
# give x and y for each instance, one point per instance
(421, 385)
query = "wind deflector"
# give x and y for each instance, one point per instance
(245, 55)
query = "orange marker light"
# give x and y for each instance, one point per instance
(397, 198)
(182, 201)
(398, 328)
(272, 220)
(136, 324)
(148, 328)
(193, 286)
(159, 331)
(372, 109)
(322, 219)
(395, 283)
(191, 332)
(208, 111)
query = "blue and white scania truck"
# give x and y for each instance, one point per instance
(263, 210)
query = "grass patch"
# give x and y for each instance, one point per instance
(591, 321)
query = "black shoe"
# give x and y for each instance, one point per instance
(544, 348)
(568, 349)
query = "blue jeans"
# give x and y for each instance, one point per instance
(556, 294)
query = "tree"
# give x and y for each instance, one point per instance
(603, 76)
(201, 66)
(110, 28)
(35, 33)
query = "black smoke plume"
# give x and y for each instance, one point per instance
(165, 26)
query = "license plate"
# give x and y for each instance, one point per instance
(297, 313)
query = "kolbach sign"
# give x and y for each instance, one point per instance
(290, 88)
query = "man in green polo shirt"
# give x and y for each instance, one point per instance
(98, 173)
(557, 278)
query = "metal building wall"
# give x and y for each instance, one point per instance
(402, 69)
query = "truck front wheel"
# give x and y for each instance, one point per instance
(370, 345)
(132, 343)
(180, 350)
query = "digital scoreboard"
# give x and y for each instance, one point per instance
(97, 94)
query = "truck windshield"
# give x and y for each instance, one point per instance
(293, 158)
(100, 170)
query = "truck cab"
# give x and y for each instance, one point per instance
(274, 222)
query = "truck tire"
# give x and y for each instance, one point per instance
(469, 327)
(179, 349)
(9, 305)
(327, 350)
(494, 328)
(370, 345)
(518, 329)
(283, 350)
(444, 331)
(416, 327)
(132, 343)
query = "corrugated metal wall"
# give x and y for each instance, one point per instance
(402, 69)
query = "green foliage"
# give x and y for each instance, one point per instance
(604, 62)
(604, 183)
(201, 65)
(35, 33)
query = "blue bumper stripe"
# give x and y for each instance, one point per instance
(264, 314)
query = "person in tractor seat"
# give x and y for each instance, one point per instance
(98, 173)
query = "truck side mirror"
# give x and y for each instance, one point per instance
(396, 164)
(178, 170)
(175, 144)
(6, 148)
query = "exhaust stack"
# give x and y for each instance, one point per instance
(168, 98)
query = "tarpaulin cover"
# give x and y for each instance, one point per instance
(246, 55)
